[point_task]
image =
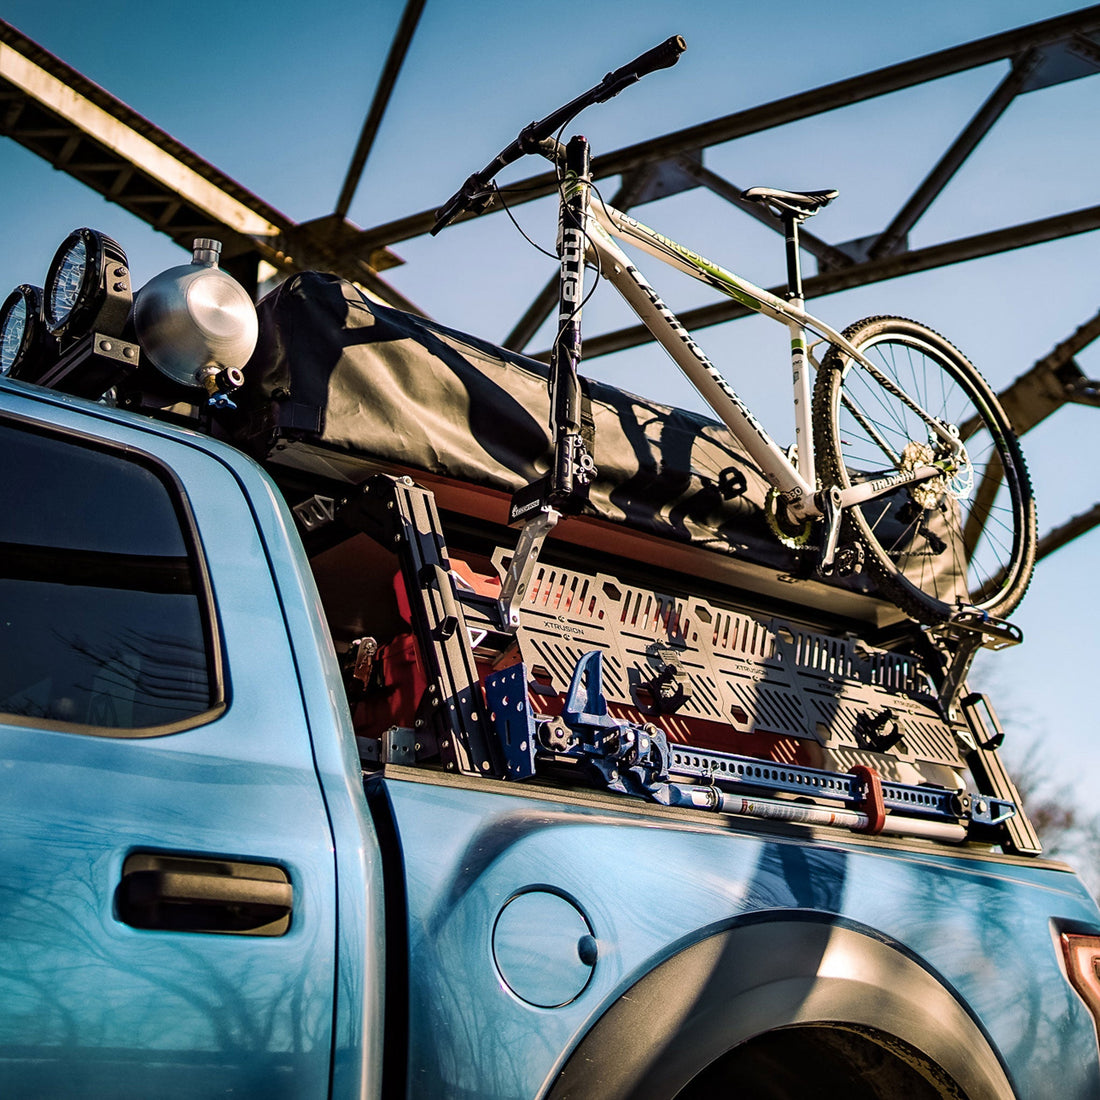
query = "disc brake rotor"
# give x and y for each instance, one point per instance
(957, 478)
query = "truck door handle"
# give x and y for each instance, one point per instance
(198, 894)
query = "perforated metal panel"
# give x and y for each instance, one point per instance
(683, 660)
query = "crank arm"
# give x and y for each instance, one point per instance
(831, 509)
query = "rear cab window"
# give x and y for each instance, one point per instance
(106, 624)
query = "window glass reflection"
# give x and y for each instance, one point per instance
(100, 616)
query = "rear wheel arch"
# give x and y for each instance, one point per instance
(791, 988)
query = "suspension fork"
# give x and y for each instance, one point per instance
(573, 468)
(539, 505)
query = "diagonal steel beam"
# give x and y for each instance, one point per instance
(1055, 380)
(77, 126)
(394, 60)
(1062, 30)
(72, 106)
(1057, 537)
(893, 238)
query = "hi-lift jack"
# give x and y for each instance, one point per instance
(638, 760)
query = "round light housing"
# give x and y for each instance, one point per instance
(88, 277)
(22, 332)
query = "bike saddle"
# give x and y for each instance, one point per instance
(800, 203)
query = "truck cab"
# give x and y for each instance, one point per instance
(300, 798)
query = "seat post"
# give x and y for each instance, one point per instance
(804, 459)
(794, 262)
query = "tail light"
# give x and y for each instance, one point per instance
(1082, 955)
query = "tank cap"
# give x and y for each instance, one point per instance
(206, 251)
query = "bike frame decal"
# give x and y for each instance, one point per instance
(572, 248)
(663, 248)
(865, 491)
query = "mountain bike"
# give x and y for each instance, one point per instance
(904, 463)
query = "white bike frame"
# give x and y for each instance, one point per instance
(795, 483)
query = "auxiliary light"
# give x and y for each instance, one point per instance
(23, 335)
(87, 287)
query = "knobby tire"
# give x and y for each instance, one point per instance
(936, 549)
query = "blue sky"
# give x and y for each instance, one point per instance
(275, 93)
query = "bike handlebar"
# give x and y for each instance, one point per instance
(538, 137)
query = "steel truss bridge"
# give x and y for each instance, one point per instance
(81, 129)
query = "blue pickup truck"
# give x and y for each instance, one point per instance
(293, 807)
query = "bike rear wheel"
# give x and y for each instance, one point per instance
(966, 538)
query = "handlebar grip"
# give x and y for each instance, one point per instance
(447, 213)
(465, 198)
(660, 57)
